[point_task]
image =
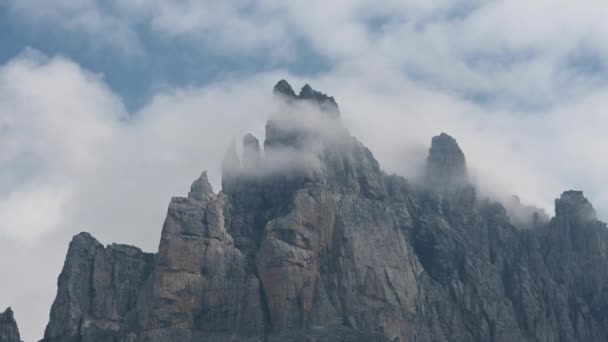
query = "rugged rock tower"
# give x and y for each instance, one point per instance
(9, 332)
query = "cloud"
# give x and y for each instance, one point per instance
(48, 139)
(295, 136)
(29, 213)
(86, 22)
(507, 54)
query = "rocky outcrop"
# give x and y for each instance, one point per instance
(9, 332)
(308, 94)
(445, 166)
(310, 240)
(97, 292)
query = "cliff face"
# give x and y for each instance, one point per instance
(9, 332)
(311, 241)
(98, 290)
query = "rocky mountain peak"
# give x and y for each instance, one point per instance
(201, 189)
(296, 125)
(84, 240)
(9, 332)
(445, 166)
(96, 282)
(325, 102)
(7, 315)
(284, 88)
(251, 151)
(574, 205)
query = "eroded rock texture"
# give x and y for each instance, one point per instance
(9, 332)
(310, 241)
(98, 290)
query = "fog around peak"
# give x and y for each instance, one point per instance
(295, 135)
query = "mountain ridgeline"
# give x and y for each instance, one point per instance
(309, 240)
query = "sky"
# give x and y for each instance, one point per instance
(109, 108)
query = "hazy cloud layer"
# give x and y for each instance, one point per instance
(523, 95)
(515, 53)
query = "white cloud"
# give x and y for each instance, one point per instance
(50, 137)
(83, 22)
(508, 53)
(28, 213)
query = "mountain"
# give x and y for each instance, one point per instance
(9, 332)
(309, 240)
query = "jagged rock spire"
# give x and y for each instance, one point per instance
(201, 189)
(325, 102)
(445, 164)
(9, 332)
(575, 206)
(96, 282)
(284, 88)
(251, 151)
(307, 93)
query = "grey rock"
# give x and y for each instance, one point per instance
(97, 291)
(446, 166)
(284, 88)
(325, 102)
(572, 205)
(336, 250)
(9, 332)
(251, 151)
(201, 189)
(199, 282)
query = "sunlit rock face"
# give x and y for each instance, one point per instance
(309, 240)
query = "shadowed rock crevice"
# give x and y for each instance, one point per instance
(309, 240)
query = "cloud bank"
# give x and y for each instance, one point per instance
(508, 53)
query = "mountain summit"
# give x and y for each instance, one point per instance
(307, 93)
(309, 240)
(445, 165)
